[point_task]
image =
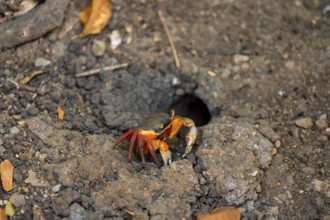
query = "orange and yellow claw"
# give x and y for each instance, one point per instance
(164, 151)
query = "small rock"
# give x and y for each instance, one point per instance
(56, 188)
(7, 72)
(18, 177)
(239, 58)
(282, 197)
(95, 98)
(290, 65)
(98, 48)
(33, 180)
(2, 150)
(1, 142)
(319, 201)
(41, 62)
(14, 130)
(188, 66)
(33, 111)
(308, 170)
(278, 144)
(115, 39)
(326, 217)
(323, 117)
(42, 157)
(17, 199)
(321, 124)
(274, 151)
(77, 212)
(59, 49)
(176, 81)
(304, 122)
(17, 148)
(179, 92)
(289, 180)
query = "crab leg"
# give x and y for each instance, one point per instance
(152, 152)
(140, 146)
(122, 138)
(131, 146)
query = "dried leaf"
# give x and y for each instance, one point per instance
(95, 17)
(223, 213)
(38, 213)
(7, 174)
(27, 79)
(60, 112)
(3, 215)
(9, 209)
(321, 186)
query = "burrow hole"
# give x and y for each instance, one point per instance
(191, 106)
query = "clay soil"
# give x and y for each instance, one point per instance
(254, 77)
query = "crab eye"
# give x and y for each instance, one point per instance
(161, 125)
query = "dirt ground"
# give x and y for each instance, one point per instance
(253, 77)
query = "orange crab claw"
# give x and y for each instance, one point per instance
(173, 129)
(164, 150)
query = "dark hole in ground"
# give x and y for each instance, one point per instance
(193, 107)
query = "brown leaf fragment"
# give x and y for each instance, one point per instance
(223, 213)
(3, 215)
(7, 174)
(38, 213)
(60, 112)
(321, 186)
(95, 17)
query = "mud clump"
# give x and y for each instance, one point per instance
(232, 156)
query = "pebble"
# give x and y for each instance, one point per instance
(321, 124)
(274, 151)
(17, 199)
(2, 150)
(14, 130)
(289, 180)
(77, 212)
(40, 62)
(179, 92)
(304, 122)
(115, 39)
(56, 188)
(323, 117)
(7, 72)
(42, 157)
(33, 111)
(1, 142)
(17, 148)
(59, 49)
(33, 180)
(98, 48)
(239, 58)
(319, 201)
(308, 170)
(290, 65)
(278, 144)
(326, 217)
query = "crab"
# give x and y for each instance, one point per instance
(154, 132)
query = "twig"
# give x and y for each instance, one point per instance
(96, 71)
(169, 37)
(20, 86)
(38, 90)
